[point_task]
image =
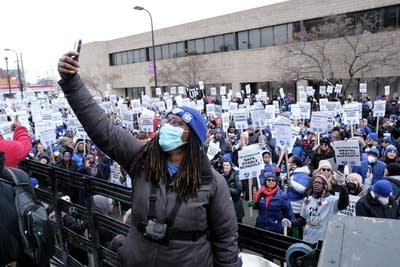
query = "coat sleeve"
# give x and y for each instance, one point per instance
(360, 208)
(287, 208)
(223, 227)
(116, 142)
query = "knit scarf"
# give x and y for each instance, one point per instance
(268, 192)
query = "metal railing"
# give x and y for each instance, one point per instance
(268, 244)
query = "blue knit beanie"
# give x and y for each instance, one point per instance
(382, 188)
(373, 136)
(193, 119)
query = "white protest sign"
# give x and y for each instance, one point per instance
(347, 152)
(136, 106)
(248, 89)
(3, 118)
(233, 105)
(225, 121)
(322, 90)
(305, 110)
(363, 88)
(276, 105)
(247, 102)
(338, 88)
(201, 85)
(178, 100)
(319, 121)
(270, 114)
(250, 162)
(259, 117)
(169, 104)
(47, 137)
(213, 91)
(310, 91)
(81, 133)
(115, 173)
(225, 103)
(281, 92)
(351, 208)
(329, 89)
(240, 118)
(302, 97)
(127, 119)
(283, 133)
(200, 104)
(5, 130)
(387, 90)
(379, 108)
(331, 106)
(181, 90)
(213, 149)
(146, 123)
(222, 90)
(172, 90)
(351, 113)
(158, 91)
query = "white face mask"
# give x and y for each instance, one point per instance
(371, 159)
(383, 200)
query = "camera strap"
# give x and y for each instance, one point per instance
(152, 201)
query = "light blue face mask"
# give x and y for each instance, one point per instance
(170, 137)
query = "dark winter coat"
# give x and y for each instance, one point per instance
(210, 210)
(317, 156)
(235, 189)
(368, 206)
(270, 218)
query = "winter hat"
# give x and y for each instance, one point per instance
(34, 182)
(387, 138)
(354, 178)
(67, 153)
(325, 140)
(390, 148)
(324, 179)
(324, 164)
(373, 136)
(382, 188)
(269, 175)
(373, 151)
(193, 119)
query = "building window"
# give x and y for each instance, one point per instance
(172, 50)
(267, 36)
(165, 51)
(158, 52)
(243, 40)
(143, 55)
(191, 47)
(118, 58)
(124, 59)
(219, 43)
(254, 38)
(180, 49)
(199, 43)
(390, 18)
(229, 42)
(130, 57)
(136, 56)
(209, 45)
(280, 34)
(290, 32)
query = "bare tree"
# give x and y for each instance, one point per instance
(186, 71)
(96, 82)
(340, 48)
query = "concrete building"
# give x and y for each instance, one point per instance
(253, 47)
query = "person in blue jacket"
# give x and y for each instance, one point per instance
(273, 205)
(377, 166)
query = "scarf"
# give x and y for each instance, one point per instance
(268, 192)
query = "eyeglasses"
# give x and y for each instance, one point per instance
(271, 180)
(325, 170)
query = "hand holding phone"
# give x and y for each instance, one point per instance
(77, 48)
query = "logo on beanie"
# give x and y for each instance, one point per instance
(187, 117)
(177, 110)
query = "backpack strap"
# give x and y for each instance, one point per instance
(152, 201)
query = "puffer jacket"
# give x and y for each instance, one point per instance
(270, 218)
(211, 210)
(301, 176)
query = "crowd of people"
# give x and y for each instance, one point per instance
(176, 187)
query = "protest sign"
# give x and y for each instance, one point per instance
(213, 110)
(347, 152)
(146, 123)
(127, 119)
(115, 173)
(225, 104)
(270, 114)
(310, 91)
(258, 116)
(351, 113)
(201, 85)
(240, 118)
(233, 105)
(351, 208)
(379, 108)
(213, 149)
(250, 162)
(322, 90)
(222, 90)
(181, 90)
(158, 91)
(319, 121)
(363, 88)
(81, 133)
(225, 121)
(282, 133)
(248, 89)
(329, 89)
(338, 88)
(281, 92)
(193, 92)
(172, 90)
(6, 132)
(47, 137)
(213, 91)
(387, 90)
(276, 105)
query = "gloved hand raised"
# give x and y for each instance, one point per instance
(286, 223)
(250, 203)
(339, 177)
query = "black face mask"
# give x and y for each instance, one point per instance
(351, 186)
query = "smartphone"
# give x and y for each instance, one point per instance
(340, 168)
(369, 169)
(77, 48)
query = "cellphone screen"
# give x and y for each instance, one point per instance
(340, 168)
(77, 48)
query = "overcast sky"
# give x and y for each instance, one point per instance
(42, 30)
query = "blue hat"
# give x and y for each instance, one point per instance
(382, 188)
(387, 138)
(374, 151)
(390, 148)
(193, 119)
(270, 175)
(373, 136)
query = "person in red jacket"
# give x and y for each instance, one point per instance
(17, 149)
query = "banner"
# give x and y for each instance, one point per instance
(347, 152)
(193, 92)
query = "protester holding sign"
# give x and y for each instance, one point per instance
(235, 188)
(182, 211)
(322, 151)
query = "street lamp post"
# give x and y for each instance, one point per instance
(8, 76)
(21, 86)
(152, 43)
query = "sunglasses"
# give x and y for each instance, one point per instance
(326, 170)
(271, 180)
